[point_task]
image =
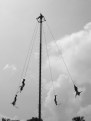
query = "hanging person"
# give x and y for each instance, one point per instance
(15, 99)
(76, 90)
(55, 99)
(22, 86)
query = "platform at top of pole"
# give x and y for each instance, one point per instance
(41, 18)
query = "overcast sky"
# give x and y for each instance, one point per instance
(70, 22)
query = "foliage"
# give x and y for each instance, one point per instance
(78, 118)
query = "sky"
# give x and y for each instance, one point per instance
(70, 23)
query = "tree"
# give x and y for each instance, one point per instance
(34, 119)
(78, 118)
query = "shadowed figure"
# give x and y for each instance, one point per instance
(55, 100)
(78, 118)
(15, 99)
(22, 86)
(76, 90)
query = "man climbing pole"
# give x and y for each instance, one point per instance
(76, 90)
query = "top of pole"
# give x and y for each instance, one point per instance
(41, 18)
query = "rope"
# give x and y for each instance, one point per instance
(49, 62)
(31, 51)
(69, 74)
(26, 60)
(25, 67)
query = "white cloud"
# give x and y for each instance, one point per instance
(6, 117)
(88, 26)
(69, 105)
(76, 50)
(11, 67)
(11, 118)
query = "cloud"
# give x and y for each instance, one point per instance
(75, 49)
(69, 105)
(10, 67)
(88, 26)
(15, 118)
(6, 117)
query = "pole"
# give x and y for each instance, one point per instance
(40, 63)
(40, 20)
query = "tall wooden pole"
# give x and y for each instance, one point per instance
(40, 20)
